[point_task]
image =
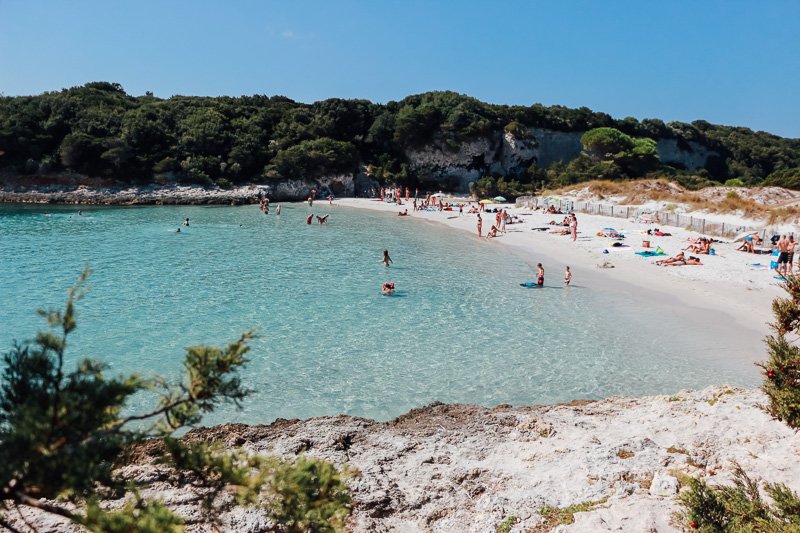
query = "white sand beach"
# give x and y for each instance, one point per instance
(726, 281)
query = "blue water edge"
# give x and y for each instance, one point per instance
(459, 328)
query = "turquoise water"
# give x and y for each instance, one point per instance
(459, 329)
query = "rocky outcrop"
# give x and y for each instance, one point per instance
(76, 189)
(671, 153)
(465, 468)
(503, 154)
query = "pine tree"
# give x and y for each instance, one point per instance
(62, 438)
(781, 371)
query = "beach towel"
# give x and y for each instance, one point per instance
(648, 253)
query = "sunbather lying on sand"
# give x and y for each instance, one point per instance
(680, 258)
(690, 261)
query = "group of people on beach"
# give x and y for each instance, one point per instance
(264, 206)
(786, 247)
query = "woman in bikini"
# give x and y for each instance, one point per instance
(680, 259)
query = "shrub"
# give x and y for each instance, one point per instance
(781, 371)
(63, 436)
(732, 194)
(740, 509)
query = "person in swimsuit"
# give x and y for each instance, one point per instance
(186, 222)
(783, 257)
(573, 228)
(680, 258)
(480, 223)
(540, 276)
(749, 242)
(278, 210)
(388, 288)
(683, 262)
(567, 277)
(386, 259)
(308, 220)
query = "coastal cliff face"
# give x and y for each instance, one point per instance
(504, 154)
(466, 468)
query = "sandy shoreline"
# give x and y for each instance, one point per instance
(724, 294)
(725, 282)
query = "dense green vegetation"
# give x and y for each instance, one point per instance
(100, 130)
(63, 437)
(740, 508)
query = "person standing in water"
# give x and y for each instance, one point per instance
(186, 222)
(567, 277)
(277, 210)
(540, 276)
(480, 224)
(386, 259)
(308, 220)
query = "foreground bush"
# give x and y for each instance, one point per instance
(740, 509)
(781, 370)
(62, 437)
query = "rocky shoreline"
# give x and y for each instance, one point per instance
(81, 190)
(459, 468)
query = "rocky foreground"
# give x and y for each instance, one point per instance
(467, 468)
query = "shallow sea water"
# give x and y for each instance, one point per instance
(459, 329)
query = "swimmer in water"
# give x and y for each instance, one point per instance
(186, 222)
(178, 230)
(308, 220)
(388, 288)
(80, 213)
(567, 277)
(278, 210)
(386, 259)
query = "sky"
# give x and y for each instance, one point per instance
(734, 63)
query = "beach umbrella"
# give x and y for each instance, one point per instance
(486, 202)
(438, 194)
(552, 200)
(499, 199)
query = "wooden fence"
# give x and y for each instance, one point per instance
(662, 218)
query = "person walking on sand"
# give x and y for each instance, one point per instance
(567, 277)
(790, 262)
(573, 227)
(386, 259)
(480, 224)
(540, 276)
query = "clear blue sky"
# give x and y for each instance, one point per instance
(728, 62)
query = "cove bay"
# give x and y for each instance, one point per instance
(459, 329)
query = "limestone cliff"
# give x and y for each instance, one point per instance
(504, 154)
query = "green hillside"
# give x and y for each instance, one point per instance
(101, 131)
